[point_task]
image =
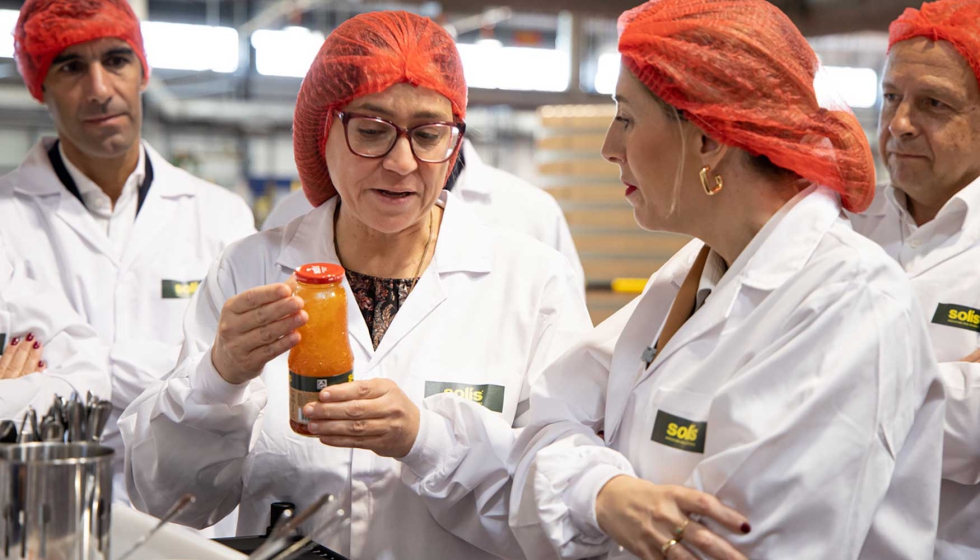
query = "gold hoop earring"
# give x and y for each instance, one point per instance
(719, 182)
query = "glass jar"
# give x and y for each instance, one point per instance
(323, 356)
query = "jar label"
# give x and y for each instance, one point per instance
(305, 389)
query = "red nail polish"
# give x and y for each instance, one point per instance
(30, 337)
(746, 528)
(15, 341)
(41, 364)
(37, 345)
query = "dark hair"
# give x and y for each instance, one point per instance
(764, 165)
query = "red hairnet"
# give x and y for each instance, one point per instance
(47, 27)
(954, 21)
(368, 54)
(741, 71)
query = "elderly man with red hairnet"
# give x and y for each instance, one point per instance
(928, 219)
(97, 213)
(772, 394)
(450, 321)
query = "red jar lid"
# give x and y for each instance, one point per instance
(320, 273)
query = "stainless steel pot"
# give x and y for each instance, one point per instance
(55, 501)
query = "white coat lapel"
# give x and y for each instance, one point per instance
(68, 210)
(964, 240)
(37, 180)
(463, 246)
(428, 294)
(634, 370)
(777, 252)
(641, 330)
(160, 209)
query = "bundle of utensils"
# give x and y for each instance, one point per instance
(276, 545)
(68, 420)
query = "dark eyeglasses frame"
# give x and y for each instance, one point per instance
(345, 117)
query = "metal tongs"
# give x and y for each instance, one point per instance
(284, 529)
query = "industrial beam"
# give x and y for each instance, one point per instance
(841, 16)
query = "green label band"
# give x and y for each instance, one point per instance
(679, 433)
(316, 384)
(958, 316)
(490, 396)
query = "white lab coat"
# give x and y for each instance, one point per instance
(809, 364)
(492, 308)
(942, 259)
(183, 226)
(75, 359)
(497, 197)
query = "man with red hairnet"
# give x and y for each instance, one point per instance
(96, 212)
(928, 219)
(449, 322)
(772, 393)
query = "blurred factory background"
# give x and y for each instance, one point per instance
(226, 74)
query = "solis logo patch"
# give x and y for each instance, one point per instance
(958, 316)
(679, 433)
(174, 289)
(490, 396)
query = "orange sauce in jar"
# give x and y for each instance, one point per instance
(323, 356)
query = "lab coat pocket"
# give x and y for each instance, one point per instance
(675, 431)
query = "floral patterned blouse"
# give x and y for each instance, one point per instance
(379, 299)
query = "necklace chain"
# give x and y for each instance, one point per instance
(425, 250)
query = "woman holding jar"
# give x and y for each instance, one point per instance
(439, 306)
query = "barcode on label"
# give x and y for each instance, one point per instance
(302, 418)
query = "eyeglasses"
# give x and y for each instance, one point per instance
(373, 137)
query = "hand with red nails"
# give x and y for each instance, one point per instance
(644, 517)
(373, 414)
(256, 326)
(21, 358)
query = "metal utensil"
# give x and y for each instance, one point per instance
(23, 437)
(303, 545)
(52, 430)
(75, 426)
(57, 411)
(104, 409)
(183, 502)
(8, 432)
(280, 535)
(91, 422)
(35, 429)
(294, 550)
